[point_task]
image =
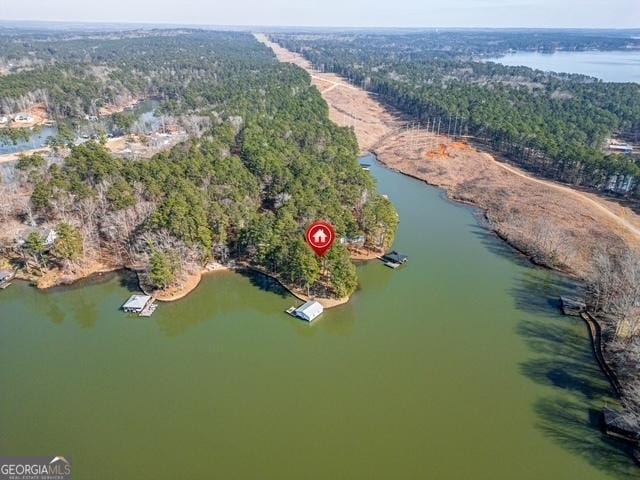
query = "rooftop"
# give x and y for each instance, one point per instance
(137, 302)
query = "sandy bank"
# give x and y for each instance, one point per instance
(187, 285)
(542, 218)
(324, 301)
(55, 277)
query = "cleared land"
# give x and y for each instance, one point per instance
(555, 224)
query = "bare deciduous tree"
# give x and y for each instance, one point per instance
(615, 290)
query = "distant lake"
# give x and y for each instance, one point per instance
(619, 66)
(144, 111)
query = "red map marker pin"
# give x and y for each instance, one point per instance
(320, 237)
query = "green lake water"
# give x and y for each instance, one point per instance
(457, 366)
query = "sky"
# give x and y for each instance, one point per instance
(357, 13)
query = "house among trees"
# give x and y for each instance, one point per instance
(22, 118)
(621, 147)
(353, 241)
(50, 236)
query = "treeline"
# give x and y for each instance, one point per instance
(554, 124)
(271, 164)
(81, 75)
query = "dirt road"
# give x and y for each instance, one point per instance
(543, 218)
(581, 196)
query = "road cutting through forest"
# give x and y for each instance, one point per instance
(557, 225)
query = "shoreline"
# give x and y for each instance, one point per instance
(513, 200)
(54, 278)
(325, 302)
(483, 212)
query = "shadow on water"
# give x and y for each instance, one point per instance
(495, 244)
(176, 318)
(129, 280)
(563, 361)
(264, 282)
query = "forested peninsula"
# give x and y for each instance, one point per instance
(241, 190)
(450, 107)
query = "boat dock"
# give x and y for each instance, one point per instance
(621, 427)
(5, 278)
(573, 306)
(143, 305)
(394, 259)
(308, 312)
(148, 310)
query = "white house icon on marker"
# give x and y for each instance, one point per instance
(320, 237)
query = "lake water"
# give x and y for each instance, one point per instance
(37, 139)
(457, 366)
(144, 111)
(617, 66)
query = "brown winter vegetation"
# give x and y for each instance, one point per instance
(595, 239)
(555, 225)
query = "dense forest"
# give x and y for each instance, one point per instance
(74, 77)
(270, 164)
(554, 124)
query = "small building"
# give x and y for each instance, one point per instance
(572, 306)
(136, 303)
(50, 236)
(309, 311)
(396, 257)
(5, 278)
(619, 426)
(621, 147)
(22, 118)
(5, 275)
(353, 241)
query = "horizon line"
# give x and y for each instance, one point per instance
(282, 26)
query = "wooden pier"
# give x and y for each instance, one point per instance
(573, 306)
(616, 425)
(148, 310)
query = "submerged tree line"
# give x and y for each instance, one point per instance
(554, 124)
(270, 164)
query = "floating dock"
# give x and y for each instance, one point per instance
(308, 312)
(618, 426)
(394, 259)
(143, 305)
(148, 310)
(5, 278)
